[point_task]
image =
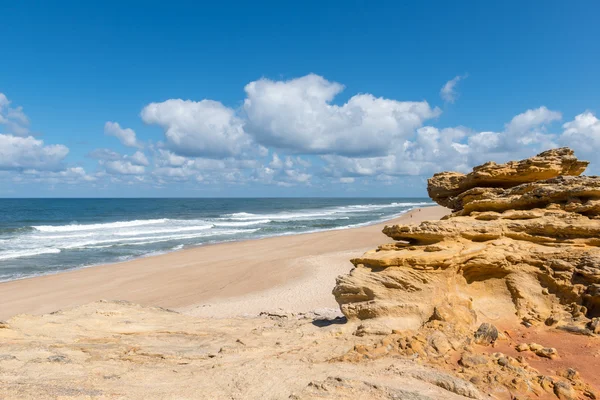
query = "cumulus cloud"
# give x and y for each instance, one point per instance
(203, 128)
(124, 167)
(30, 153)
(531, 119)
(14, 119)
(139, 158)
(119, 164)
(298, 115)
(582, 134)
(125, 135)
(71, 176)
(279, 123)
(448, 92)
(432, 149)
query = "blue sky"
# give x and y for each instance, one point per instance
(103, 99)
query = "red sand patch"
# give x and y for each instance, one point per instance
(579, 352)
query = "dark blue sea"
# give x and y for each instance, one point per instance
(41, 236)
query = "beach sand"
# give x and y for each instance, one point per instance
(295, 273)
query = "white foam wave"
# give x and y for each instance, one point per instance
(326, 213)
(7, 255)
(243, 223)
(166, 230)
(79, 235)
(139, 240)
(109, 225)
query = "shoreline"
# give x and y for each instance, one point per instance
(196, 246)
(222, 272)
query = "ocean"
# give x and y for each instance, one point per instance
(42, 236)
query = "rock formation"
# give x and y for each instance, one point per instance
(521, 248)
(517, 246)
(444, 186)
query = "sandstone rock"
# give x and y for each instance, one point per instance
(535, 347)
(343, 388)
(439, 342)
(564, 391)
(522, 246)
(470, 360)
(547, 352)
(372, 328)
(448, 382)
(444, 186)
(517, 249)
(571, 374)
(522, 347)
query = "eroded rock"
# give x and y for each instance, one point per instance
(527, 252)
(521, 247)
(444, 186)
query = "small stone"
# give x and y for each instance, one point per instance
(535, 347)
(7, 357)
(59, 359)
(439, 342)
(564, 391)
(522, 347)
(4, 325)
(503, 361)
(594, 325)
(545, 291)
(547, 352)
(470, 360)
(571, 374)
(487, 334)
(372, 329)
(546, 383)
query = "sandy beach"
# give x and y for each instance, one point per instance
(295, 273)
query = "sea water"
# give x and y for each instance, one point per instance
(41, 236)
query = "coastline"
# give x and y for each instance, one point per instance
(294, 272)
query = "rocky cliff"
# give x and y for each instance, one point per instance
(521, 249)
(531, 246)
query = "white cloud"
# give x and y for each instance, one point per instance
(3, 100)
(71, 176)
(125, 135)
(167, 158)
(297, 176)
(139, 158)
(199, 128)
(14, 119)
(276, 162)
(119, 164)
(27, 152)
(122, 167)
(431, 149)
(298, 115)
(448, 92)
(532, 119)
(582, 134)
